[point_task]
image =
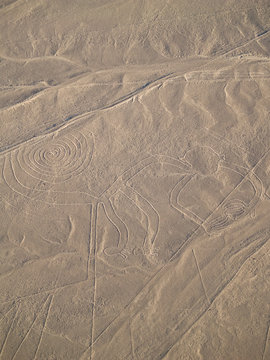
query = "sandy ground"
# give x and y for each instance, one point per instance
(135, 180)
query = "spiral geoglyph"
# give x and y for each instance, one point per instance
(56, 159)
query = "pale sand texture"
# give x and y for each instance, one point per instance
(135, 180)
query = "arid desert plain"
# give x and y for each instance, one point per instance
(134, 179)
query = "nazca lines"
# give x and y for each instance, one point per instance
(229, 204)
(233, 208)
(57, 160)
(230, 208)
(65, 157)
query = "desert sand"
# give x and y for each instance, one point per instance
(135, 180)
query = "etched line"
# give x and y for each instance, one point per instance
(255, 198)
(10, 328)
(151, 213)
(44, 326)
(266, 341)
(220, 291)
(30, 328)
(120, 226)
(85, 115)
(175, 204)
(89, 241)
(200, 275)
(44, 291)
(4, 316)
(92, 267)
(131, 341)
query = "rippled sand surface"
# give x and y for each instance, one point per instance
(134, 180)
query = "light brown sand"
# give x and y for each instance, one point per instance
(135, 180)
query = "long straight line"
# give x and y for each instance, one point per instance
(129, 96)
(266, 340)
(200, 275)
(86, 114)
(92, 270)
